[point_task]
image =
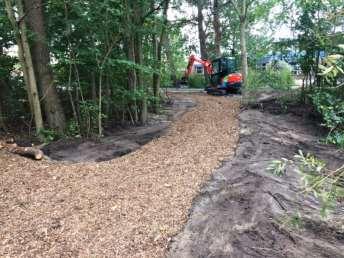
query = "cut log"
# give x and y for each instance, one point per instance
(30, 152)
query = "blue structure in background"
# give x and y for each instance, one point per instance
(290, 57)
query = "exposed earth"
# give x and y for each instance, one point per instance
(190, 188)
(118, 141)
(244, 211)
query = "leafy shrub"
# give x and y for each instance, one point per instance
(331, 108)
(89, 111)
(279, 79)
(73, 128)
(48, 135)
(329, 99)
(197, 81)
(325, 185)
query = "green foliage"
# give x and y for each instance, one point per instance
(294, 221)
(48, 135)
(329, 99)
(278, 167)
(279, 79)
(73, 128)
(89, 111)
(337, 138)
(333, 67)
(331, 107)
(196, 81)
(325, 185)
(315, 180)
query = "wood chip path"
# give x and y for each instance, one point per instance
(126, 207)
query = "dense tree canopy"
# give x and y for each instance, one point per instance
(75, 66)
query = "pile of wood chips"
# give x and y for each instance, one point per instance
(128, 207)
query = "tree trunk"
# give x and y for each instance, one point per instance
(202, 35)
(31, 152)
(130, 51)
(25, 58)
(217, 28)
(3, 87)
(2, 119)
(158, 47)
(140, 84)
(244, 65)
(3, 91)
(170, 60)
(93, 86)
(107, 98)
(132, 79)
(41, 59)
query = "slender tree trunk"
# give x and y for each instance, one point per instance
(70, 95)
(107, 97)
(157, 46)
(25, 58)
(170, 60)
(244, 65)
(202, 35)
(100, 103)
(41, 58)
(130, 51)
(132, 79)
(2, 119)
(217, 28)
(138, 60)
(94, 86)
(21, 57)
(3, 92)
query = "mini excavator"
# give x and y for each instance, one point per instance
(222, 76)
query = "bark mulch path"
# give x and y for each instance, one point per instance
(126, 207)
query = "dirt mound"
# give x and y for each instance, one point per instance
(246, 212)
(118, 141)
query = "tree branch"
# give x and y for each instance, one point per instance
(144, 17)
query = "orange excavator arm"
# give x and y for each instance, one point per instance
(192, 59)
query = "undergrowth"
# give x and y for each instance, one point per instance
(278, 79)
(325, 185)
(196, 81)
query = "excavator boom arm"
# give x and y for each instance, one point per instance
(192, 59)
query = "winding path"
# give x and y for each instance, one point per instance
(127, 207)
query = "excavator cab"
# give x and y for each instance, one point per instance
(223, 65)
(221, 68)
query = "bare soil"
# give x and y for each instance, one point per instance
(244, 211)
(118, 140)
(126, 207)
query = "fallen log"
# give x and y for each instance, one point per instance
(31, 152)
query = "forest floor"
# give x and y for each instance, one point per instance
(245, 211)
(138, 205)
(118, 140)
(130, 206)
